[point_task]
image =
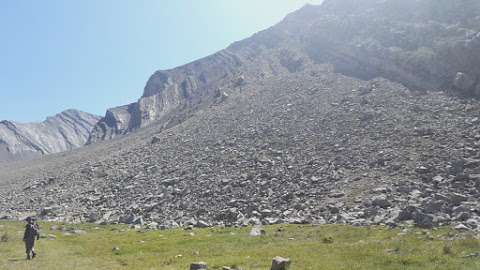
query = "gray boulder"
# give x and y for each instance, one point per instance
(132, 220)
(420, 218)
(473, 223)
(199, 266)
(433, 206)
(381, 201)
(257, 231)
(423, 220)
(202, 224)
(457, 198)
(280, 263)
(464, 82)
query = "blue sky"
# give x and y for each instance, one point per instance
(95, 54)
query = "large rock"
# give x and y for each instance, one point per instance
(381, 201)
(464, 82)
(132, 220)
(407, 214)
(457, 198)
(433, 206)
(423, 220)
(257, 231)
(280, 263)
(199, 266)
(420, 218)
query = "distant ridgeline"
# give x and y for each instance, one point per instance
(65, 131)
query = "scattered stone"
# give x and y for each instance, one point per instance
(423, 220)
(422, 169)
(132, 220)
(155, 140)
(257, 231)
(464, 82)
(280, 263)
(461, 227)
(78, 232)
(337, 195)
(202, 224)
(381, 201)
(472, 255)
(457, 198)
(199, 266)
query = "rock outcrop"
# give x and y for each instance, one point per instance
(173, 92)
(422, 44)
(65, 131)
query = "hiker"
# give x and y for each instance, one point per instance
(31, 233)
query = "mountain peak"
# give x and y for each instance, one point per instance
(64, 131)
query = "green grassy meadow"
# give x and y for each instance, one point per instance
(330, 247)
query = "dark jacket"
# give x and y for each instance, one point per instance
(31, 232)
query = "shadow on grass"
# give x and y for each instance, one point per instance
(17, 260)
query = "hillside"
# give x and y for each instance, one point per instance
(423, 44)
(307, 148)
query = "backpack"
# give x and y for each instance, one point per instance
(31, 231)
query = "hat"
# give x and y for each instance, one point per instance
(30, 219)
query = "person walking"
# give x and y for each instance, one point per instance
(31, 234)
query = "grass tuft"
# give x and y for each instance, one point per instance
(448, 249)
(4, 238)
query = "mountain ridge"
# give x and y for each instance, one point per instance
(64, 131)
(425, 50)
(201, 81)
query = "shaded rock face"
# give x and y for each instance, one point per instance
(422, 44)
(65, 131)
(169, 93)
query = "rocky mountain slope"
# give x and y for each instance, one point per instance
(289, 126)
(64, 131)
(310, 147)
(424, 44)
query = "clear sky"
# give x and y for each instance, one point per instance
(96, 54)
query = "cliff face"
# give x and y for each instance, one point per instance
(65, 131)
(266, 54)
(424, 44)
